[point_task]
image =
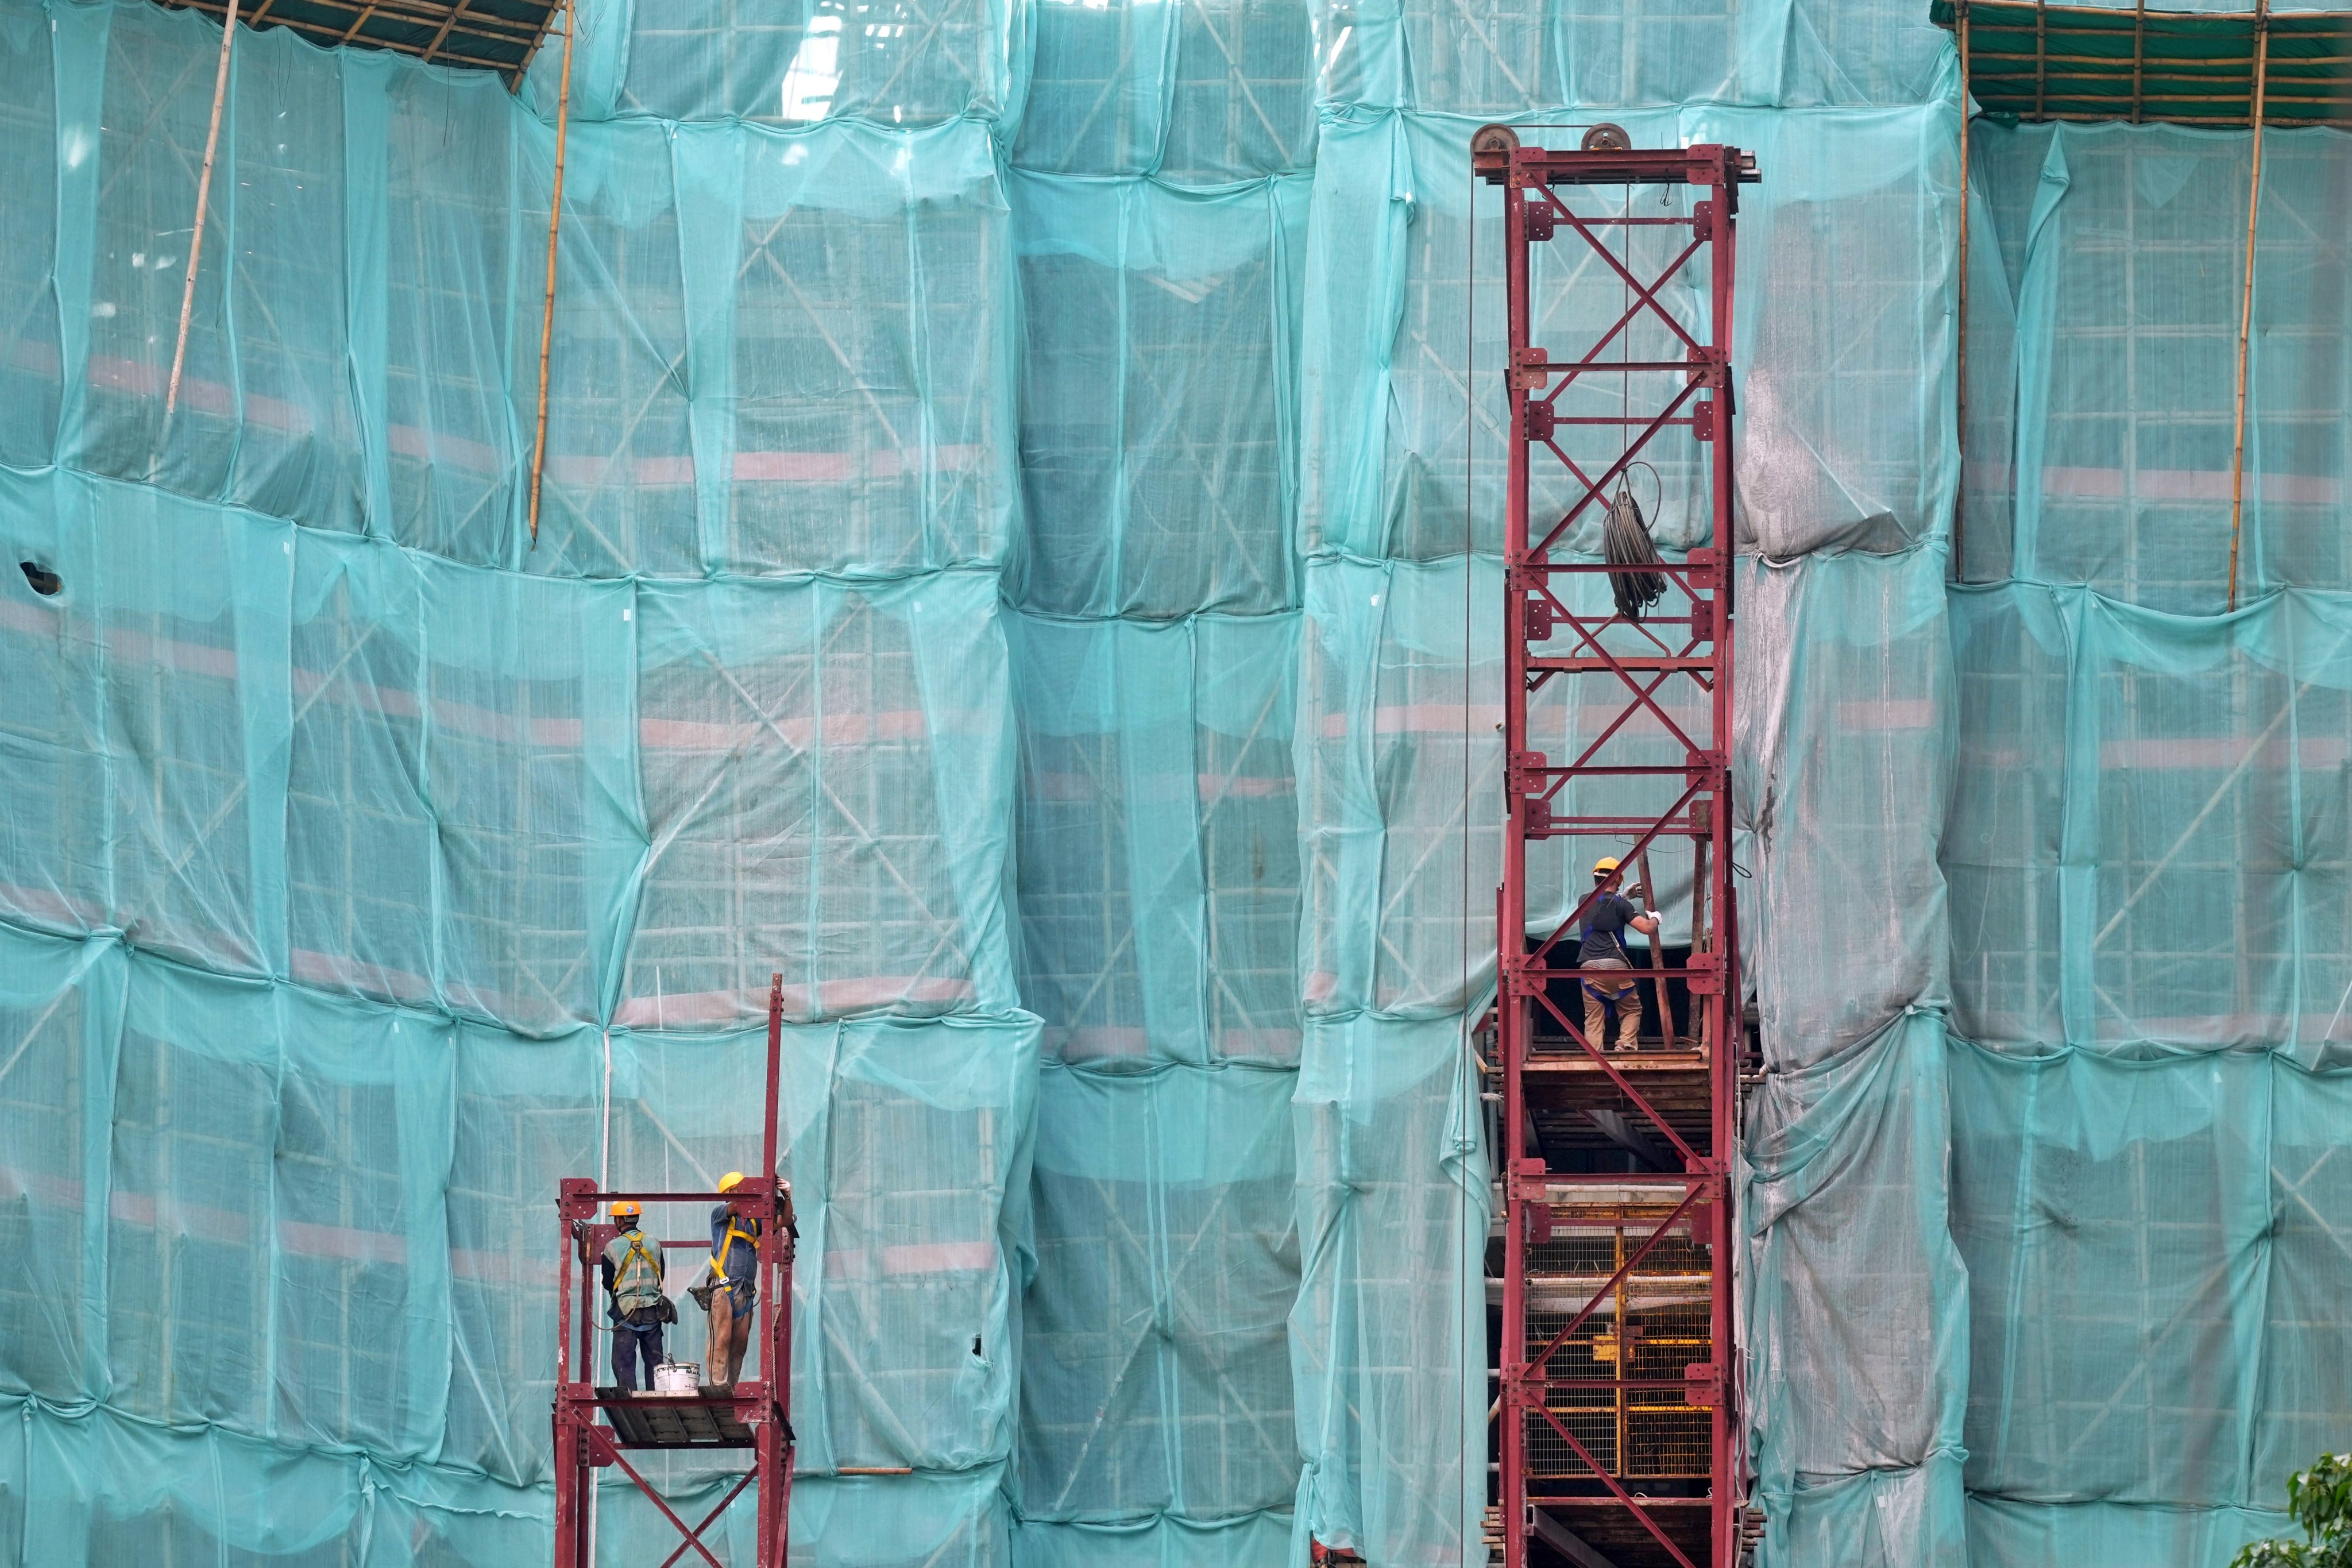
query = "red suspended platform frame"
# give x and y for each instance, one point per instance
(1673, 671)
(598, 1426)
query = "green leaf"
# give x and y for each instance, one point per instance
(2320, 1499)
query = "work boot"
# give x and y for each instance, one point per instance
(1629, 1020)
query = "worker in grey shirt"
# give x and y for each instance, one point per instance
(1604, 949)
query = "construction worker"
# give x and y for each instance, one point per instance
(1605, 921)
(632, 1265)
(735, 1284)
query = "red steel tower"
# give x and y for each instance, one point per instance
(1619, 1437)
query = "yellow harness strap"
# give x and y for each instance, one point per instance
(727, 1244)
(636, 1250)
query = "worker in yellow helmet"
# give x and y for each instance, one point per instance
(734, 1288)
(1603, 949)
(632, 1266)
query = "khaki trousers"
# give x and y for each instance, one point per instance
(1622, 996)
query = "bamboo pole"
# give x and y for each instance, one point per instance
(2108, 15)
(2216, 66)
(546, 310)
(204, 198)
(2117, 90)
(2040, 54)
(2139, 53)
(1657, 945)
(2234, 122)
(2246, 296)
(1960, 390)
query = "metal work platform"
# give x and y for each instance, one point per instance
(1619, 1435)
(597, 1425)
(707, 1419)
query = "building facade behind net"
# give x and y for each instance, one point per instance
(1017, 558)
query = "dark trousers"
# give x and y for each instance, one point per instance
(627, 1344)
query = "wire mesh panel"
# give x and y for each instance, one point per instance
(1650, 1328)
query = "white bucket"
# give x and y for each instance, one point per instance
(677, 1377)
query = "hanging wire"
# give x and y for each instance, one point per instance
(1624, 535)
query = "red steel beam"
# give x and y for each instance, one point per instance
(1540, 188)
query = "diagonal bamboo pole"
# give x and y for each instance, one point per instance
(1960, 333)
(2246, 296)
(546, 310)
(204, 198)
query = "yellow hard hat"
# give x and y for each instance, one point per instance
(1606, 864)
(625, 1208)
(731, 1180)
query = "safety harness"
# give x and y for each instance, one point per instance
(1615, 993)
(727, 1244)
(624, 1277)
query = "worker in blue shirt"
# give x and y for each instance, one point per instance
(1604, 949)
(735, 1284)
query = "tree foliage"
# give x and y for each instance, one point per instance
(2320, 1499)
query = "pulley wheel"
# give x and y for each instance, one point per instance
(1494, 139)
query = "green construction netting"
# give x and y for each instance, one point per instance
(1014, 558)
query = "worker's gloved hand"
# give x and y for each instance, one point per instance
(1651, 914)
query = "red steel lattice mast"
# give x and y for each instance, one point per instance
(1655, 697)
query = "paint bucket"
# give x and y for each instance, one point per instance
(677, 1377)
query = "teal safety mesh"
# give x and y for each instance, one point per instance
(1005, 563)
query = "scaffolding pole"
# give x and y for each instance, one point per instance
(1960, 330)
(547, 308)
(204, 200)
(2246, 295)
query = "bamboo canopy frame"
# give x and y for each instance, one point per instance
(2029, 62)
(483, 35)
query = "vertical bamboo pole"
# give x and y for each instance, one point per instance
(2139, 54)
(2246, 294)
(1960, 392)
(204, 198)
(2040, 58)
(1657, 945)
(546, 309)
